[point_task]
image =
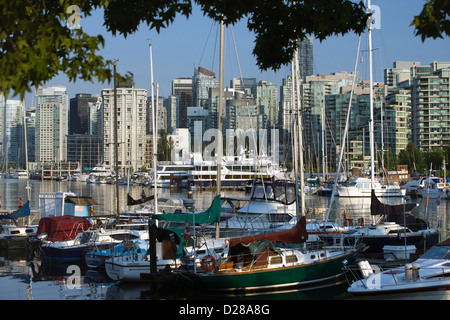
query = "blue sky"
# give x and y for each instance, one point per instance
(194, 42)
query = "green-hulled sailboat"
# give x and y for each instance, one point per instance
(270, 261)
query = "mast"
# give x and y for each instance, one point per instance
(294, 138)
(155, 131)
(116, 151)
(324, 161)
(371, 134)
(300, 135)
(219, 115)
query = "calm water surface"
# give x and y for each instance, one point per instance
(21, 280)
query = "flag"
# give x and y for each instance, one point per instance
(186, 231)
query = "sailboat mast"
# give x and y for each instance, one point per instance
(300, 135)
(155, 132)
(116, 148)
(371, 134)
(219, 115)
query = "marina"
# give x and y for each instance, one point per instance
(22, 279)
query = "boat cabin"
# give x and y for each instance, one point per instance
(58, 204)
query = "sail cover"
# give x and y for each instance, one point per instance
(379, 208)
(212, 214)
(296, 234)
(23, 211)
(133, 202)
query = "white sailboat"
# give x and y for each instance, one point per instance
(15, 235)
(389, 229)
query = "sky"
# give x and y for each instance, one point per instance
(189, 43)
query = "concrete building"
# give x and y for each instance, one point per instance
(131, 126)
(52, 124)
(80, 112)
(202, 81)
(12, 133)
(399, 74)
(430, 101)
(183, 89)
(266, 97)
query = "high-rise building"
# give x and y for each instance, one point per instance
(266, 97)
(314, 89)
(131, 126)
(80, 112)
(172, 107)
(396, 119)
(183, 88)
(213, 107)
(197, 118)
(400, 73)
(202, 81)
(11, 123)
(306, 57)
(52, 127)
(430, 101)
(246, 85)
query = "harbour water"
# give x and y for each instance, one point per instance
(22, 280)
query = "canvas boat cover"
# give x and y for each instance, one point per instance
(295, 235)
(62, 228)
(133, 202)
(81, 200)
(397, 213)
(23, 211)
(212, 214)
(444, 243)
(379, 208)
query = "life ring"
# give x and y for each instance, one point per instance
(441, 180)
(208, 263)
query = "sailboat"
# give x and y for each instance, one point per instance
(15, 235)
(392, 228)
(260, 262)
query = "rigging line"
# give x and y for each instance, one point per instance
(345, 131)
(206, 42)
(215, 47)
(253, 132)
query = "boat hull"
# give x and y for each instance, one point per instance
(271, 279)
(416, 292)
(353, 192)
(375, 244)
(68, 254)
(59, 255)
(131, 271)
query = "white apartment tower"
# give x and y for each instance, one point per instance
(52, 113)
(131, 127)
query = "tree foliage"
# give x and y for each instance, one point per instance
(36, 43)
(434, 20)
(412, 157)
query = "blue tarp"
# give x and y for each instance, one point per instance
(23, 211)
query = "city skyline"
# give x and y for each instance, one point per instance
(189, 43)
